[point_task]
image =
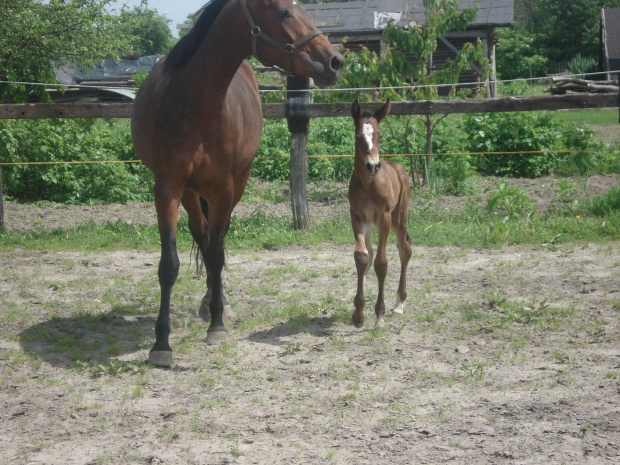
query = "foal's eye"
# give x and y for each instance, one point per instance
(284, 13)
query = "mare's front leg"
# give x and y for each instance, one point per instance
(381, 265)
(362, 263)
(167, 206)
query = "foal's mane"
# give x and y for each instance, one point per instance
(185, 48)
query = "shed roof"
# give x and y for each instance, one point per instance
(611, 22)
(368, 16)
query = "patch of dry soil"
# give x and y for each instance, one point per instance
(502, 356)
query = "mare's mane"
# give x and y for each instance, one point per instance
(185, 48)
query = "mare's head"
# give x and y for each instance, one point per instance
(283, 35)
(368, 135)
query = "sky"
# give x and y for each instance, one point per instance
(176, 10)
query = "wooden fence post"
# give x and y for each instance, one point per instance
(297, 114)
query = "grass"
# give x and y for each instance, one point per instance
(591, 117)
(597, 219)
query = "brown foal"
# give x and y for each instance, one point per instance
(379, 195)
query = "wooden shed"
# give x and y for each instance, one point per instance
(362, 23)
(610, 42)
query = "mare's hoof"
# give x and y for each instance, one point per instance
(217, 337)
(380, 323)
(161, 358)
(358, 323)
(399, 307)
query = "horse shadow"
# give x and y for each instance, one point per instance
(280, 334)
(90, 338)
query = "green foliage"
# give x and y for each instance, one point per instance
(150, 32)
(71, 140)
(327, 136)
(578, 137)
(580, 65)
(608, 204)
(38, 36)
(517, 55)
(561, 28)
(510, 202)
(512, 132)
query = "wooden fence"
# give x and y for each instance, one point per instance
(298, 111)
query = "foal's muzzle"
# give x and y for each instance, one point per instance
(373, 168)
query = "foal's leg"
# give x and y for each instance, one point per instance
(399, 226)
(362, 263)
(381, 265)
(404, 252)
(167, 206)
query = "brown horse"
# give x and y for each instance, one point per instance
(378, 195)
(197, 123)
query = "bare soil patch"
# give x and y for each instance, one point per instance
(502, 356)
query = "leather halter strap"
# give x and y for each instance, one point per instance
(288, 49)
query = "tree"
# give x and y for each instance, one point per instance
(150, 31)
(518, 55)
(563, 28)
(38, 36)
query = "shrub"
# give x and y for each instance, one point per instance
(71, 140)
(514, 132)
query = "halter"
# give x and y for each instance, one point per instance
(286, 48)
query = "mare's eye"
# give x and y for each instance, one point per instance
(284, 13)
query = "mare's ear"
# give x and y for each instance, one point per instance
(383, 111)
(356, 112)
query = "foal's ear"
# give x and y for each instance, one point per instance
(356, 112)
(383, 111)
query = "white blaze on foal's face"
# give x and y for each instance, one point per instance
(368, 131)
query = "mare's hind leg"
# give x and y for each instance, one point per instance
(219, 220)
(167, 206)
(404, 252)
(198, 225)
(362, 263)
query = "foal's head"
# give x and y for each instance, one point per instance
(368, 135)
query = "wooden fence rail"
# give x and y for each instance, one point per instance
(324, 110)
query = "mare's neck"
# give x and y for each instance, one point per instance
(223, 49)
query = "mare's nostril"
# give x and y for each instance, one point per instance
(369, 167)
(337, 62)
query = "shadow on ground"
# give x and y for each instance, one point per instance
(89, 338)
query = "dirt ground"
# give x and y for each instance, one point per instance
(507, 355)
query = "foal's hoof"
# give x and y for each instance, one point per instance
(160, 358)
(205, 314)
(399, 307)
(217, 337)
(358, 322)
(380, 323)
